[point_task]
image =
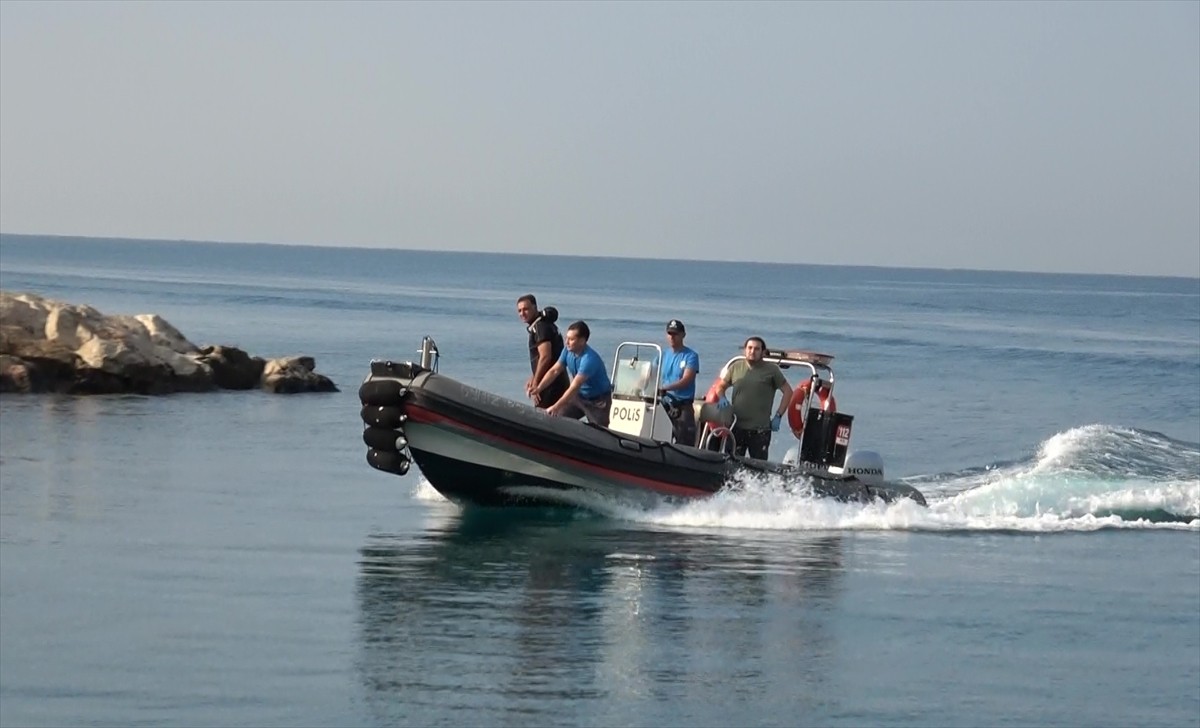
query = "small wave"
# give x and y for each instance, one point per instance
(1096, 470)
(1104, 450)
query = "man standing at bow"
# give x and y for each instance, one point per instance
(545, 346)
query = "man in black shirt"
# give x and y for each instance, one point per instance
(545, 346)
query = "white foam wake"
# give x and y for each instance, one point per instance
(423, 491)
(770, 507)
(1085, 479)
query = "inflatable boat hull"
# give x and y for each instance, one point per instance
(475, 447)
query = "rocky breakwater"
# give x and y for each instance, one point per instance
(52, 346)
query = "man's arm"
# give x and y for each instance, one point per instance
(787, 395)
(689, 375)
(726, 380)
(544, 362)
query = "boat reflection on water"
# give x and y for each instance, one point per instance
(556, 615)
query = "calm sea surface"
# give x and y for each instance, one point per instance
(231, 559)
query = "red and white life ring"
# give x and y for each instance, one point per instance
(798, 404)
(714, 392)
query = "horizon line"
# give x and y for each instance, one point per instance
(606, 257)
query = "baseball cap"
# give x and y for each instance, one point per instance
(675, 326)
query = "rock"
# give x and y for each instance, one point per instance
(23, 311)
(17, 375)
(51, 346)
(165, 335)
(293, 375)
(232, 368)
(32, 364)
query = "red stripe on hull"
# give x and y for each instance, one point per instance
(417, 413)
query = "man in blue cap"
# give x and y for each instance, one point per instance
(680, 365)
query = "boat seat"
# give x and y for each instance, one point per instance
(710, 417)
(707, 412)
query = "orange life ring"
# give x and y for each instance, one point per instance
(714, 392)
(798, 404)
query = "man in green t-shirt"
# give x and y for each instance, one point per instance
(754, 383)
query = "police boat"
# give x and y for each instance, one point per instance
(479, 448)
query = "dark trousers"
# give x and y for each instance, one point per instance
(683, 422)
(554, 393)
(597, 410)
(754, 442)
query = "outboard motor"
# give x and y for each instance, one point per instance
(866, 466)
(826, 437)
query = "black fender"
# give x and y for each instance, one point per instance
(385, 392)
(380, 438)
(382, 416)
(388, 462)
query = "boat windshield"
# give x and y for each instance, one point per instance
(635, 370)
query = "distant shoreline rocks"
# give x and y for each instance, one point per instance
(53, 346)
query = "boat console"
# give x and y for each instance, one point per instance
(636, 409)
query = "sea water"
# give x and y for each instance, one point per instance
(231, 559)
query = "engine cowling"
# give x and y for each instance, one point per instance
(866, 466)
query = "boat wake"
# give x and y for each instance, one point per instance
(1085, 479)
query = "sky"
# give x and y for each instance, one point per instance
(1027, 136)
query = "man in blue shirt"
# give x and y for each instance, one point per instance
(590, 388)
(680, 365)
